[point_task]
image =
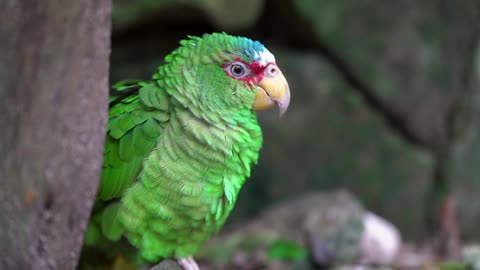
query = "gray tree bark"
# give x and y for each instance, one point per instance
(54, 58)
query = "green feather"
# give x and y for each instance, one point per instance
(142, 144)
(110, 225)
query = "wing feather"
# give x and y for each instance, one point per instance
(136, 119)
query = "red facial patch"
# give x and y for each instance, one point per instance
(254, 74)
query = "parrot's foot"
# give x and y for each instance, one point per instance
(188, 263)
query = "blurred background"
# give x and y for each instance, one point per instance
(384, 103)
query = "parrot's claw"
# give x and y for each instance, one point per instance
(188, 263)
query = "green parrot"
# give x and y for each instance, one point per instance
(179, 147)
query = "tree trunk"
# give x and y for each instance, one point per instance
(53, 98)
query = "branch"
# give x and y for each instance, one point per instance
(459, 113)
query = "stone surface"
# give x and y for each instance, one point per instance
(333, 226)
(53, 96)
(380, 242)
(167, 265)
(471, 256)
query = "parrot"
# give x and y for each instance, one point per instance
(179, 147)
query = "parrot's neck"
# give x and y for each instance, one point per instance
(236, 141)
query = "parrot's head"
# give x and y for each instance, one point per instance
(225, 74)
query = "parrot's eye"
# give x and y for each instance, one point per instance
(238, 69)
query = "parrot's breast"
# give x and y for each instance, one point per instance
(188, 185)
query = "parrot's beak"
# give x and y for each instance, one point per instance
(272, 90)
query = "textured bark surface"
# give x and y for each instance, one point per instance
(53, 98)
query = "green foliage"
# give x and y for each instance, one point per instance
(453, 265)
(286, 250)
(126, 12)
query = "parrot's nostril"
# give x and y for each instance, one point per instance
(271, 71)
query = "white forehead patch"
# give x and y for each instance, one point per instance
(265, 57)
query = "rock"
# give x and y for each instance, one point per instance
(167, 265)
(380, 242)
(320, 255)
(333, 226)
(333, 232)
(360, 267)
(352, 236)
(413, 256)
(471, 256)
(315, 214)
(318, 212)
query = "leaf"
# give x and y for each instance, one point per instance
(286, 250)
